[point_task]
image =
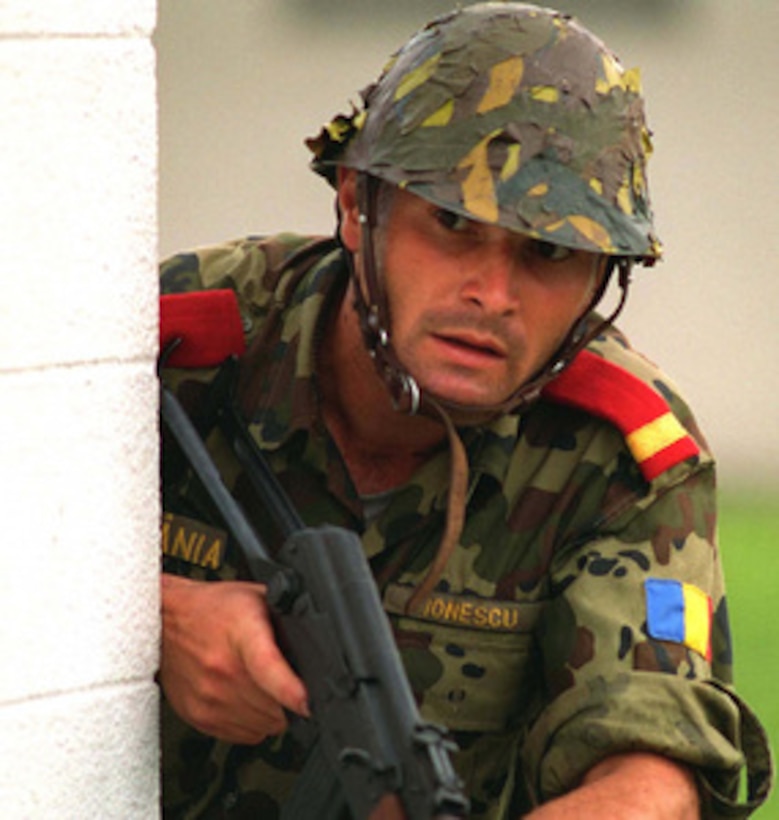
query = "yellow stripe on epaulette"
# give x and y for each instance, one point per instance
(654, 436)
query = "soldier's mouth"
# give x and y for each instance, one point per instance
(477, 343)
(470, 350)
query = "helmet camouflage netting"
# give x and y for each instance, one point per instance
(511, 115)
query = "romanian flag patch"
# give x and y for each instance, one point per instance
(679, 612)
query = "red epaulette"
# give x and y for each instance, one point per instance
(205, 324)
(654, 436)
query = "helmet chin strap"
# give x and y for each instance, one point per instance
(374, 318)
(373, 310)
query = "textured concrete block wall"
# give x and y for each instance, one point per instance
(78, 451)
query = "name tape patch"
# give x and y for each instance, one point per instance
(466, 611)
(193, 541)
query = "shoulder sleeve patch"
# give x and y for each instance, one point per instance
(679, 612)
(654, 436)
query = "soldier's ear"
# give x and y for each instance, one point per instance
(347, 208)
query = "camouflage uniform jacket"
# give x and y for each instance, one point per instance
(541, 648)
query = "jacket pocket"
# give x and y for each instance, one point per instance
(471, 661)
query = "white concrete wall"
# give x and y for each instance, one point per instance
(242, 83)
(78, 444)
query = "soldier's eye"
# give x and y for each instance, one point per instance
(451, 221)
(550, 251)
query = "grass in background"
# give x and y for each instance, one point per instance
(749, 541)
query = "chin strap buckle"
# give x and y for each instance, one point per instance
(410, 391)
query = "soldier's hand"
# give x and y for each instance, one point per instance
(221, 669)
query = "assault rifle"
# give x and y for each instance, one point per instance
(370, 750)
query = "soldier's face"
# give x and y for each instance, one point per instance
(476, 310)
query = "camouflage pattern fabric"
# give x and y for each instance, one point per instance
(535, 648)
(512, 115)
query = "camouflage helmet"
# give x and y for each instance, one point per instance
(512, 115)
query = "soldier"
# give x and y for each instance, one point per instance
(535, 498)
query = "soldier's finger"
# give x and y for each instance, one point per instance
(270, 671)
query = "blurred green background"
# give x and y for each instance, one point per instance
(749, 540)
